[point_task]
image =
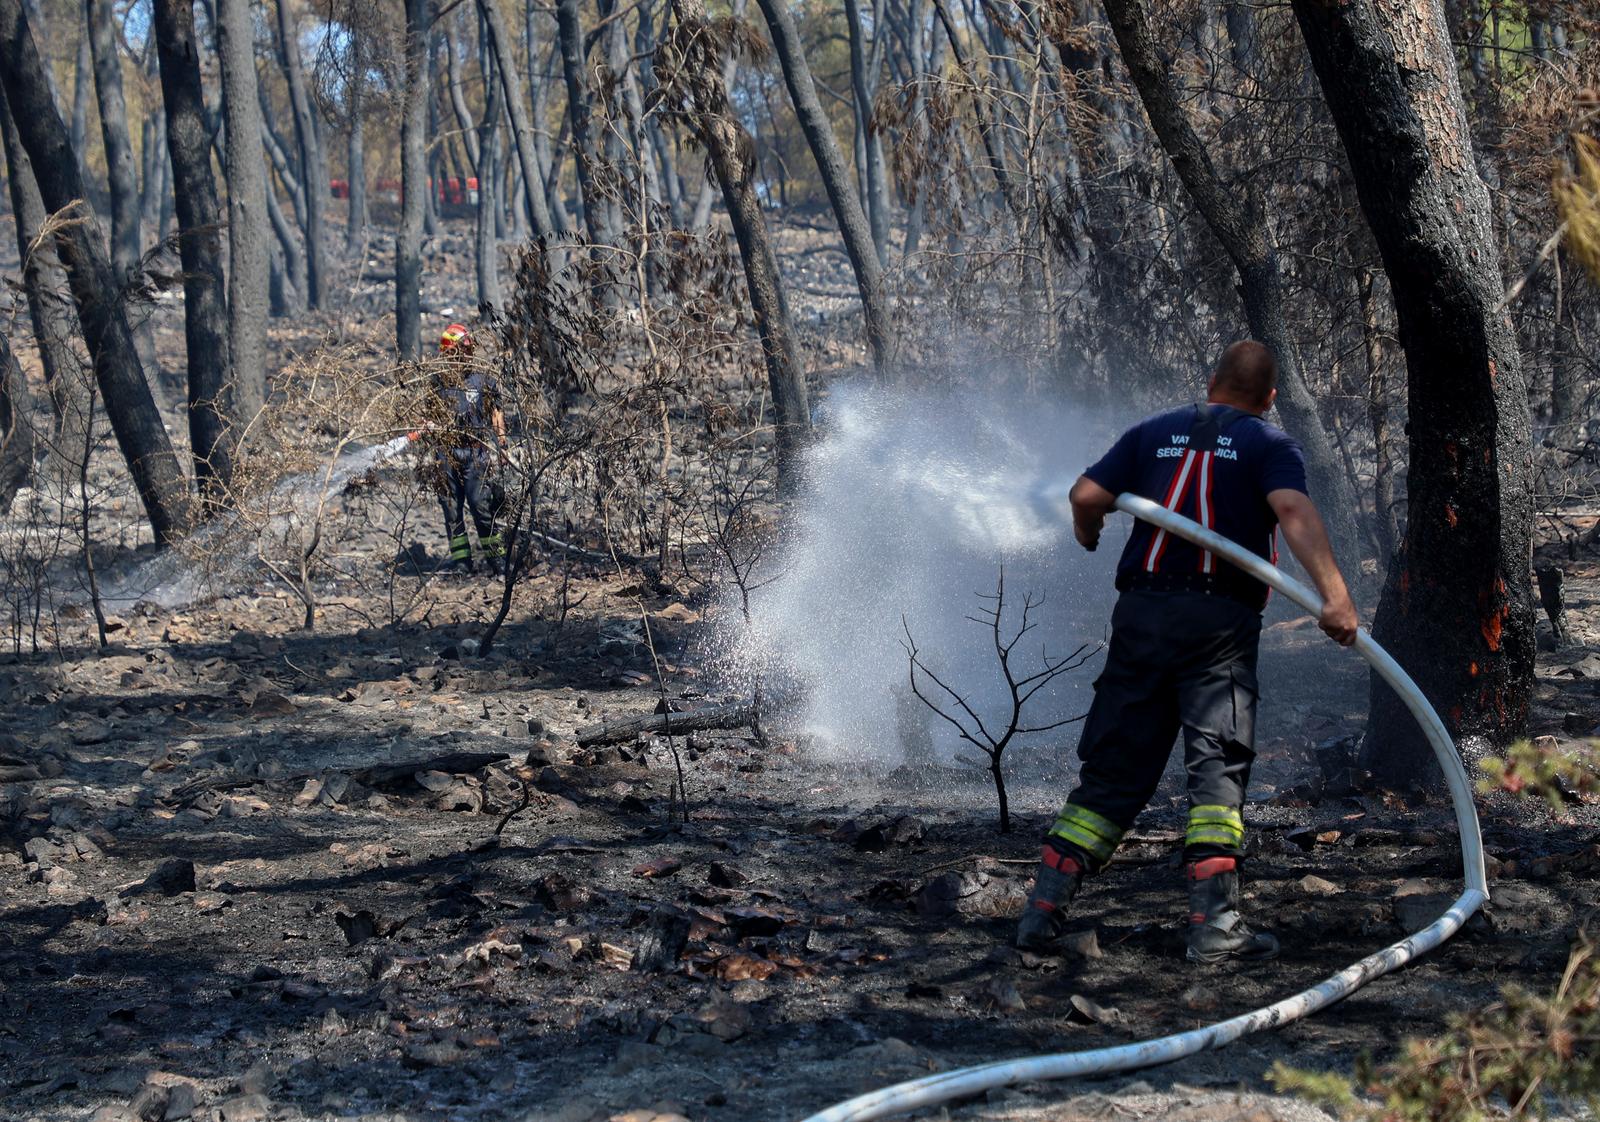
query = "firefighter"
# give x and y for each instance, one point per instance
(471, 434)
(1184, 637)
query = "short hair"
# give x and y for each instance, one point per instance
(1247, 371)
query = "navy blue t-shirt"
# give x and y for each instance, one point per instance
(1225, 490)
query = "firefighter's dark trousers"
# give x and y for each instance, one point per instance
(463, 488)
(1178, 660)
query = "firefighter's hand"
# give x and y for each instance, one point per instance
(1339, 620)
(1089, 539)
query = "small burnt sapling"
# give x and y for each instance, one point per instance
(991, 737)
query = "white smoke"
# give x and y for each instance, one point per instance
(910, 505)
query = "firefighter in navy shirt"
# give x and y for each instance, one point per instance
(1184, 637)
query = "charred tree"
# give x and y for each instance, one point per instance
(1237, 223)
(121, 177)
(693, 56)
(45, 285)
(569, 30)
(1457, 606)
(488, 244)
(522, 128)
(847, 209)
(355, 229)
(136, 421)
(863, 88)
(18, 447)
(205, 293)
(248, 251)
(313, 171)
(413, 183)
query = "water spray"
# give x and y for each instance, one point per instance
(966, 1082)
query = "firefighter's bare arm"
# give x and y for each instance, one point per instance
(498, 420)
(1308, 541)
(1090, 505)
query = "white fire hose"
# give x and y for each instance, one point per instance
(971, 1081)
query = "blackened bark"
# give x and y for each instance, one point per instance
(129, 404)
(1238, 224)
(413, 184)
(121, 176)
(569, 30)
(539, 85)
(1385, 514)
(1457, 607)
(488, 245)
(18, 445)
(205, 294)
(458, 104)
(355, 230)
(286, 253)
(54, 324)
(876, 192)
(847, 210)
(82, 84)
(248, 251)
(732, 157)
(522, 127)
(313, 170)
(17, 439)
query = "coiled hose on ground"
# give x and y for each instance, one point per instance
(935, 1089)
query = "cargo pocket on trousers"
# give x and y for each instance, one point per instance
(1245, 693)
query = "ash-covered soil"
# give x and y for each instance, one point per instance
(355, 943)
(257, 874)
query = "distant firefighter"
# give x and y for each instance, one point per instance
(468, 433)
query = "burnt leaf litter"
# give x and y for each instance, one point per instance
(254, 875)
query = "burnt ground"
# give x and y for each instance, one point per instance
(352, 947)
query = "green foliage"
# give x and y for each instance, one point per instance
(1542, 769)
(1522, 1057)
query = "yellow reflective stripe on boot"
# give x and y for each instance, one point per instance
(1095, 835)
(1215, 825)
(491, 545)
(460, 548)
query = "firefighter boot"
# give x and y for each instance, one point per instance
(1053, 889)
(1217, 931)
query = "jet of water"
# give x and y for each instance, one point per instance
(910, 506)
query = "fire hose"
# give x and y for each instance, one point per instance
(970, 1081)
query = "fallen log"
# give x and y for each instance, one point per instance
(733, 715)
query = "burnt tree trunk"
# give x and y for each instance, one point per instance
(121, 176)
(413, 184)
(539, 86)
(569, 30)
(355, 229)
(18, 446)
(248, 251)
(698, 51)
(1237, 223)
(847, 210)
(487, 248)
(1385, 516)
(1457, 607)
(522, 126)
(45, 284)
(861, 87)
(205, 292)
(313, 171)
(134, 417)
